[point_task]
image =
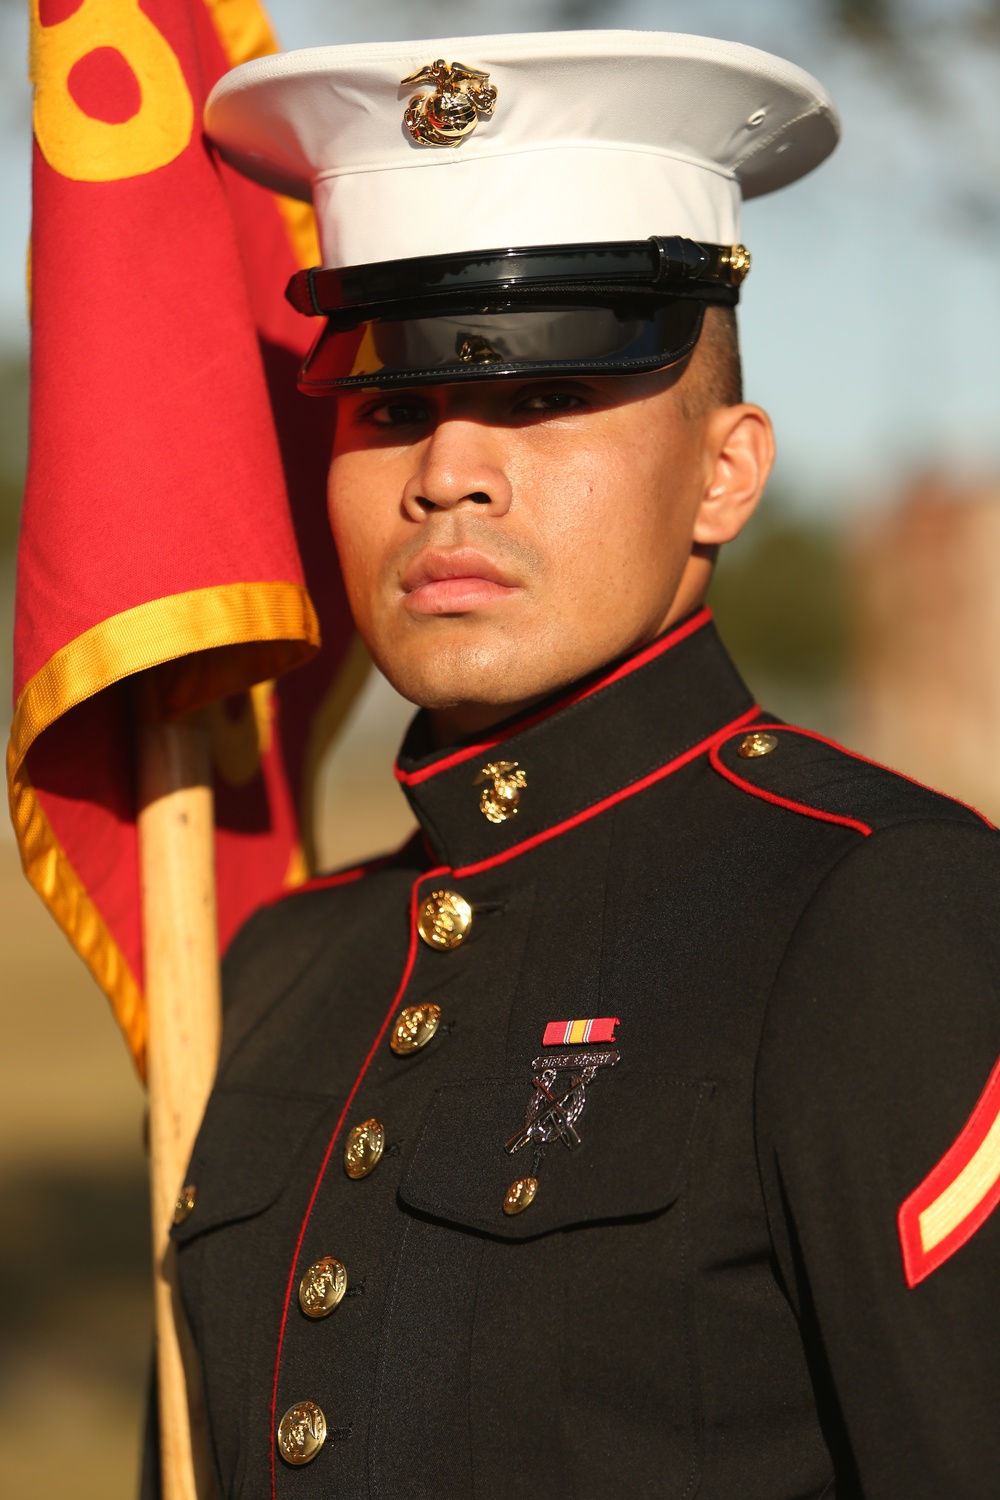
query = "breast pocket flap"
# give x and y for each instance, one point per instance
(244, 1154)
(635, 1134)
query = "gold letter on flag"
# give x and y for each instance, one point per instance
(75, 65)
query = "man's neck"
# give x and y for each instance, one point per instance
(450, 725)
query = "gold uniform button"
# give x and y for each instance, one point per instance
(520, 1195)
(756, 744)
(364, 1148)
(186, 1200)
(322, 1287)
(301, 1432)
(415, 1025)
(444, 920)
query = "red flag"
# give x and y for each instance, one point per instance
(167, 440)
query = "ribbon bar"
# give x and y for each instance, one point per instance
(579, 1033)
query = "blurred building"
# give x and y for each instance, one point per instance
(924, 584)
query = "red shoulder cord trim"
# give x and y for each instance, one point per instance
(340, 877)
(411, 959)
(772, 797)
(962, 1191)
(958, 1196)
(355, 872)
(815, 812)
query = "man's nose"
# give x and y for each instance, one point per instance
(460, 465)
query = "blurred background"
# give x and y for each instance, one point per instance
(864, 601)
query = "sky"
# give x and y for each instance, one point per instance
(871, 318)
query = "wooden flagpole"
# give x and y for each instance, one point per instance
(177, 866)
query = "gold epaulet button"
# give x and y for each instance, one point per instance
(757, 743)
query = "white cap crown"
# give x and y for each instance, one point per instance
(592, 136)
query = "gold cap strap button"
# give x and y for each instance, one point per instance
(322, 1287)
(364, 1148)
(752, 745)
(186, 1200)
(301, 1432)
(415, 1025)
(444, 920)
(520, 1195)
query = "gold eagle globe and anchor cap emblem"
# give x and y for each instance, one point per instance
(445, 117)
(498, 800)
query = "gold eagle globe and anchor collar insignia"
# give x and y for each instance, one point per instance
(451, 113)
(561, 1079)
(498, 800)
(572, 760)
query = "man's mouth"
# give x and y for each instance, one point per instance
(453, 581)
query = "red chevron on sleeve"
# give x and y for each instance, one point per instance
(958, 1196)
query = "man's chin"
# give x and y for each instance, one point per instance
(472, 681)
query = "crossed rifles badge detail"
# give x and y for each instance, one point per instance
(561, 1080)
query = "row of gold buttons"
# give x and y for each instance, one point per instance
(302, 1430)
(443, 922)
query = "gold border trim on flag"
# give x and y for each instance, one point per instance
(118, 648)
(275, 627)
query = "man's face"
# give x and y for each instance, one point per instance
(501, 539)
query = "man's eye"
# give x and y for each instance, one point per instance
(396, 414)
(550, 403)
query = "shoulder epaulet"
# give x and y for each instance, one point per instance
(334, 878)
(809, 774)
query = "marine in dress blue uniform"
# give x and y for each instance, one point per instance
(635, 1129)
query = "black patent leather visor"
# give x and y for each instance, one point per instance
(436, 347)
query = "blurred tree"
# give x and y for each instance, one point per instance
(779, 600)
(865, 20)
(898, 22)
(942, 56)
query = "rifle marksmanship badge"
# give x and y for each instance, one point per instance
(561, 1078)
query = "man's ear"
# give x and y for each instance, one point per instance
(739, 456)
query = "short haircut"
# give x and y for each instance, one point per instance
(714, 376)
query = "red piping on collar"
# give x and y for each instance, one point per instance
(471, 752)
(813, 812)
(620, 796)
(411, 958)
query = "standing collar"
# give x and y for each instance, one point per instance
(613, 734)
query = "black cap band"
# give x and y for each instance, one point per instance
(671, 264)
